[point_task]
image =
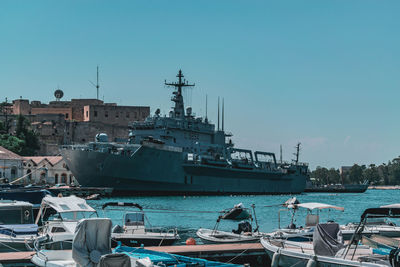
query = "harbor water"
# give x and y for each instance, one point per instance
(191, 213)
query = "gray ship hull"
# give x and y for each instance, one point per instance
(154, 171)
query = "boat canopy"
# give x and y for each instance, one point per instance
(396, 205)
(122, 204)
(67, 204)
(319, 206)
(390, 211)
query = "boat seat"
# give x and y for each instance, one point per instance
(114, 260)
(312, 220)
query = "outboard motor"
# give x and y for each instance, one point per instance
(243, 227)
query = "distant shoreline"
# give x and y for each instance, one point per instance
(384, 187)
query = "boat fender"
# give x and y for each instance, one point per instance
(275, 258)
(312, 262)
(190, 241)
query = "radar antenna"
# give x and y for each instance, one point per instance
(179, 109)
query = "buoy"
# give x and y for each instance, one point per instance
(312, 262)
(275, 259)
(190, 241)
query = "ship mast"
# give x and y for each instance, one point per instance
(179, 109)
(297, 154)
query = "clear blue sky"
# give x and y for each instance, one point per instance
(325, 73)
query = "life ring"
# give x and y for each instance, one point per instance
(26, 214)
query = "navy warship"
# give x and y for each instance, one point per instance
(181, 154)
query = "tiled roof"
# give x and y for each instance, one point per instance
(52, 159)
(7, 154)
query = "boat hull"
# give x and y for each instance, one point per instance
(137, 242)
(288, 258)
(158, 171)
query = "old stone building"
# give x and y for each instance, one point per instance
(47, 170)
(10, 165)
(76, 121)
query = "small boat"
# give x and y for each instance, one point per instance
(238, 212)
(301, 233)
(31, 194)
(59, 217)
(373, 226)
(328, 250)
(90, 248)
(17, 229)
(135, 233)
(244, 232)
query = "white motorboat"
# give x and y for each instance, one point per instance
(327, 250)
(59, 217)
(17, 229)
(301, 233)
(373, 226)
(134, 231)
(244, 232)
(216, 236)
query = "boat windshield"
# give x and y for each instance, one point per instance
(76, 215)
(134, 218)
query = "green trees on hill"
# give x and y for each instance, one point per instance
(384, 174)
(23, 142)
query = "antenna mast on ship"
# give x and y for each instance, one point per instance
(179, 109)
(297, 154)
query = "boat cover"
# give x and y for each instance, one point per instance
(390, 211)
(92, 240)
(67, 204)
(327, 239)
(18, 229)
(320, 206)
(238, 212)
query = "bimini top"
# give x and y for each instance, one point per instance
(396, 205)
(67, 204)
(390, 211)
(319, 206)
(122, 204)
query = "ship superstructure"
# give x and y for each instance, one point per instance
(181, 154)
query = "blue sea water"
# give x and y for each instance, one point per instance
(190, 213)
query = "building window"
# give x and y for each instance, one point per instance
(95, 113)
(106, 114)
(87, 114)
(117, 114)
(56, 178)
(66, 115)
(135, 114)
(64, 178)
(127, 114)
(13, 172)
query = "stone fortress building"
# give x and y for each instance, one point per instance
(75, 121)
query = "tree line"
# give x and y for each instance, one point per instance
(23, 141)
(384, 174)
